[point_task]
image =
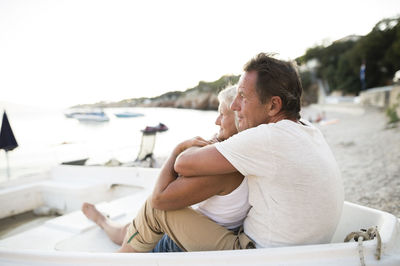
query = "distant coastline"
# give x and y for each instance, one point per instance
(201, 97)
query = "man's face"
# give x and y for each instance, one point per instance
(250, 111)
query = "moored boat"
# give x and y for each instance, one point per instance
(128, 114)
(94, 116)
(159, 128)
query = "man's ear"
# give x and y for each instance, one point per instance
(275, 105)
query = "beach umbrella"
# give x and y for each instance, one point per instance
(7, 139)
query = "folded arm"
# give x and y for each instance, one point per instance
(200, 161)
(184, 192)
(172, 192)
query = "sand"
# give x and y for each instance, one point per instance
(367, 152)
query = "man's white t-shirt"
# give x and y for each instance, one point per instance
(295, 187)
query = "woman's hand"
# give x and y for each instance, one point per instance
(193, 142)
(214, 139)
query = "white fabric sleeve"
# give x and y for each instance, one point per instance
(249, 151)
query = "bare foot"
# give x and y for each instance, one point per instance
(93, 214)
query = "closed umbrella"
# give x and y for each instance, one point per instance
(7, 139)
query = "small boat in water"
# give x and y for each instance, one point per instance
(71, 239)
(159, 128)
(128, 114)
(71, 113)
(87, 115)
(93, 116)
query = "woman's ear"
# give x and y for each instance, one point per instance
(275, 105)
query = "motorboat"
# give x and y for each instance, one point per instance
(128, 114)
(72, 114)
(159, 128)
(92, 116)
(87, 114)
(72, 239)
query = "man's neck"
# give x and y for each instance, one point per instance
(279, 117)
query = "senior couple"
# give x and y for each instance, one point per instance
(275, 183)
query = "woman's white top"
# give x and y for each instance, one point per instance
(228, 210)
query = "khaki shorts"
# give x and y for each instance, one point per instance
(190, 230)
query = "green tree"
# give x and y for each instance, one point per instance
(339, 63)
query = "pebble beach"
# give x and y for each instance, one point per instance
(367, 151)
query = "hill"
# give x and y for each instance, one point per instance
(202, 97)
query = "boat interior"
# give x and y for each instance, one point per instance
(120, 192)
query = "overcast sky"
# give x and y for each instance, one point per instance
(62, 53)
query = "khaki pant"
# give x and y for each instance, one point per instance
(190, 230)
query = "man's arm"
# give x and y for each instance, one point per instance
(202, 161)
(184, 192)
(171, 193)
(167, 173)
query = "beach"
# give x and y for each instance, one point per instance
(367, 152)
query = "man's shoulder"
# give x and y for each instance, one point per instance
(249, 135)
(257, 130)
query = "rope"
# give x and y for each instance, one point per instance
(364, 235)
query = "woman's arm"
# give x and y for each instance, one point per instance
(203, 161)
(167, 173)
(184, 192)
(172, 192)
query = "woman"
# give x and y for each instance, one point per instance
(223, 200)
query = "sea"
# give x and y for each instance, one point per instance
(46, 137)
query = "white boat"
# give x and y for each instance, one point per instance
(72, 239)
(128, 114)
(92, 116)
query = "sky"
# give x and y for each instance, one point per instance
(67, 52)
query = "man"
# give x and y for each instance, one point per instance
(295, 187)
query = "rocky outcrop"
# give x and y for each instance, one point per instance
(192, 100)
(202, 97)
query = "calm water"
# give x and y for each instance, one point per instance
(46, 137)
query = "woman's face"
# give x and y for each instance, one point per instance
(226, 122)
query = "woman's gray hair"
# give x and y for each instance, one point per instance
(226, 96)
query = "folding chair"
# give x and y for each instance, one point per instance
(146, 148)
